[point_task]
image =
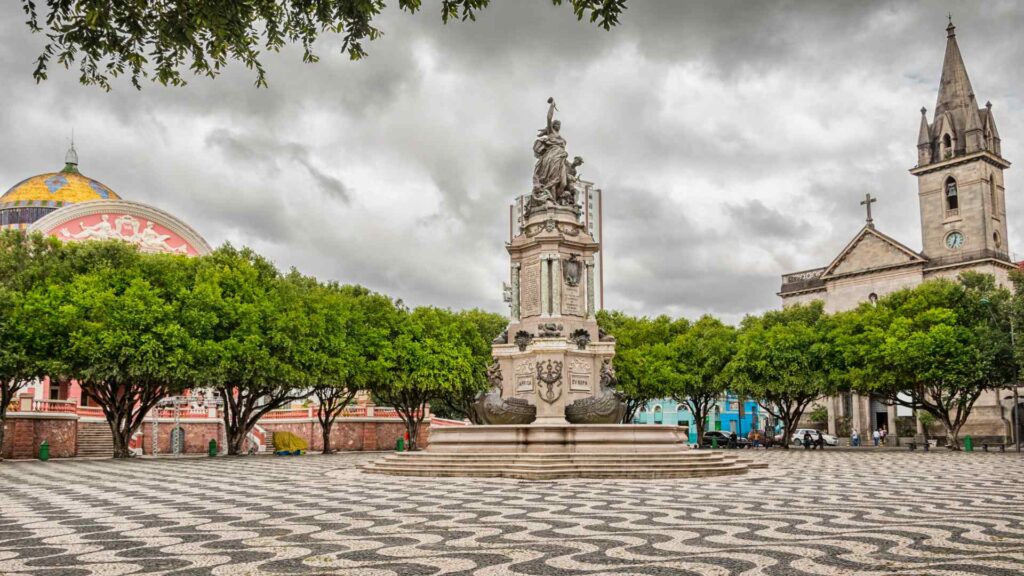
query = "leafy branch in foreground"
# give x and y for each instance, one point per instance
(157, 40)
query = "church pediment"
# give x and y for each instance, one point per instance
(871, 250)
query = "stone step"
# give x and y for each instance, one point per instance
(538, 465)
(559, 456)
(561, 473)
(547, 465)
(465, 458)
(94, 441)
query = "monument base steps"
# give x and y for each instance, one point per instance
(626, 465)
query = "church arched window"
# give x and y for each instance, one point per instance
(952, 200)
(992, 195)
(947, 146)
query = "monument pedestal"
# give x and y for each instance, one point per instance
(557, 439)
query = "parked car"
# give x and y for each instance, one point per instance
(798, 437)
(723, 439)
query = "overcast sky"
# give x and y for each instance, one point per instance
(733, 140)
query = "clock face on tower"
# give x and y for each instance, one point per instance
(954, 240)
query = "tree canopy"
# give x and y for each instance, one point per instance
(699, 358)
(106, 39)
(642, 356)
(935, 347)
(782, 362)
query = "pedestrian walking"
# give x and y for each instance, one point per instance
(876, 436)
(855, 439)
(883, 432)
(819, 442)
(807, 440)
(732, 440)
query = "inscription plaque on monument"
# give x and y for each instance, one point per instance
(529, 286)
(572, 299)
(524, 376)
(579, 375)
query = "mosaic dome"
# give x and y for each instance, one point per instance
(33, 198)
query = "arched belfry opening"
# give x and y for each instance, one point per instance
(952, 197)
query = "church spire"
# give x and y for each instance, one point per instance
(955, 91)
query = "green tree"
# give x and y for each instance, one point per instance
(351, 333)
(700, 356)
(782, 361)
(426, 359)
(642, 360)
(477, 329)
(27, 262)
(252, 333)
(819, 415)
(110, 38)
(936, 347)
(123, 339)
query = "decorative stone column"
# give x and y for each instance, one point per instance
(556, 285)
(515, 290)
(855, 420)
(545, 270)
(590, 289)
(891, 409)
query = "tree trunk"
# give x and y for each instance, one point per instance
(326, 431)
(952, 433)
(412, 427)
(235, 441)
(3, 422)
(701, 423)
(120, 444)
(787, 432)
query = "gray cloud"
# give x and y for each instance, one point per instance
(734, 141)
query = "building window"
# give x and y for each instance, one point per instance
(947, 146)
(952, 199)
(992, 195)
(995, 239)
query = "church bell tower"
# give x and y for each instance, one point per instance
(960, 171)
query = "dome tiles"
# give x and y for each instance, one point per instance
(34, 197)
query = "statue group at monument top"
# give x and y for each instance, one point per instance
(555, 178)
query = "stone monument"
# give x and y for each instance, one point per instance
(552, 410)
(553, 355)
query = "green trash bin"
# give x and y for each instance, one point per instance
(400, 445)
(212, 449)
(968, 444)
(44, 451)
(714, 443)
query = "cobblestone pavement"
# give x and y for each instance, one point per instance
(811, 513)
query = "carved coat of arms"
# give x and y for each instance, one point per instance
(572, 270)
(550, 373)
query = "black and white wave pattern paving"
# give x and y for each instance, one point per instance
(872, 513)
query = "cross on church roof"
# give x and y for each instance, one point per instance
(867, 201)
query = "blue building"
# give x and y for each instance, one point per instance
(724, 416)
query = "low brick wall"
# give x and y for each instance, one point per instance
(25, 431)
(350, 434)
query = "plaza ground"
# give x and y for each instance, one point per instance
(869, 512)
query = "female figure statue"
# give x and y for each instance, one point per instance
(550, 175)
